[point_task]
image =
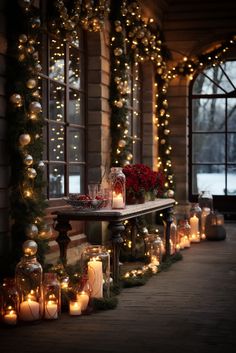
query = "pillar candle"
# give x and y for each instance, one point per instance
(95, 278)
(10, 318)
(29, 310)
(117, 201)
(75, 308)
(83, 298)
(51, 310)
(194, 224)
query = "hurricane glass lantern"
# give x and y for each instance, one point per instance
(118, 189)
(51, 296)
(28, 276)
(153, 244)
(205, 199)
(96, 265)
(9, 302)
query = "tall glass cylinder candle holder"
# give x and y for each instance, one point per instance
(153, 245)
(96, 264)
(118, 190)
(28, 276)
(51, 296)
(9, 302)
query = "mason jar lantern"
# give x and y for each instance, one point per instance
(29, 283)
(9, 302)
(118, 190)
(96, 264)
(51, 296)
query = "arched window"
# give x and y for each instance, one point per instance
(212, 129)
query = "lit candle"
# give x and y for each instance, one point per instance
(83, 299)
(75, 308)
(10, 318)
(154, 260)
(29, 310)
(51, 310)
(205, 212)
(186, 242)
(95, 278)
(117, 200)
(194, 225)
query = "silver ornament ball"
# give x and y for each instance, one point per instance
(30, 247)
(35, 107)
(28, 160)
(31, 172)
(32, 231)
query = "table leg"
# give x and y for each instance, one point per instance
(62, 226)
(116, 227)
(133, 222)
(167, 219)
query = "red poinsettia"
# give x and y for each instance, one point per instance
(141, 178)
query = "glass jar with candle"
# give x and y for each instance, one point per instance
(153, 244)
(9, 302)
(118, 190)
(28, 276)
(52, 296)
(96, 265)
(205, 199)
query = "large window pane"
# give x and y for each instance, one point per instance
(231, 180)
(57, 60)
(209, 114)
(208, 177)
(56, 180)
(74, 68)
(208, 148)
(57, 102)
(75, 108)
(75, 144)
(231, 147)
(231, 113)
(56, 142)
(76, 179)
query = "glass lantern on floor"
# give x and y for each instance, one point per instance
(205, 200)
(29, 283)
(9, 302)
(118, 190)
(153, 244)
(52, 296)
(96, 265)
(183, 234)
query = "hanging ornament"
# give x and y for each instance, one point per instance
(16, 99)
(23, 38)
(31, 231)
(31, 83)
(30, 247)
(129, 156)
(122, 143)
(45, 232)
(118, 51)
(24, 139)
(41, 165)
(118, 104)
(35, 22)
(163, 141)
(31, 173)
(35, 107)
(170, 193)
(166, 132)
(28, 160)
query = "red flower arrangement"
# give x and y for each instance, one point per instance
(141, 179)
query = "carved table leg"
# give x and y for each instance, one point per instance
(116, 227)
(133, 222)
(168, 219)
(62, 226)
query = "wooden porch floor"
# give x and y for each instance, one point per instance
(191, 308)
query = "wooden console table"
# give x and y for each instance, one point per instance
(116, 226)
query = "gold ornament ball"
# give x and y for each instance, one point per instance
(129, 156)
(16, 99)
(31, 173)
(118, 51)
(170, 193)
(24, 139)
(118, 104)
(122, 143)
(23, 38)
(30, 247)
(28, 160)
(166, 132)
(118, 29)
(163, 141)
(31, 83)
(35, 107)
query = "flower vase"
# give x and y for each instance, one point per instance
(131, 199)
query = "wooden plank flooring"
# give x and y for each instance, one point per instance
(191, 308)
